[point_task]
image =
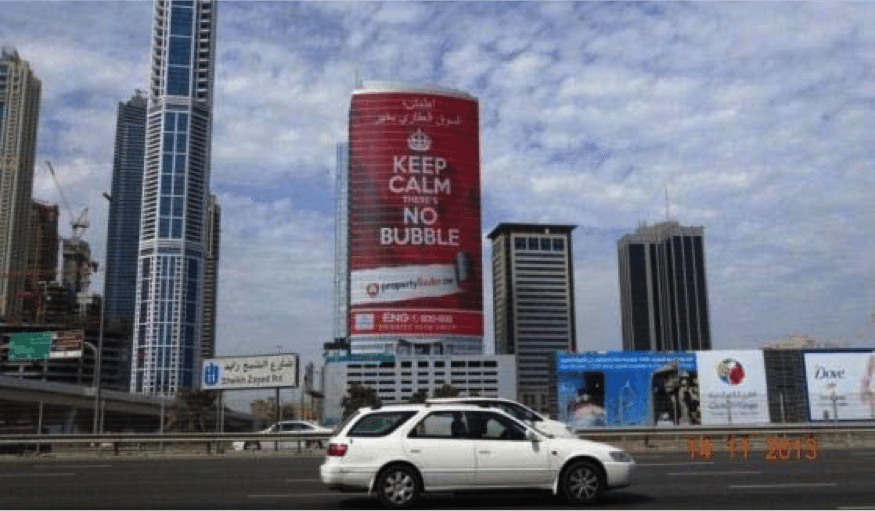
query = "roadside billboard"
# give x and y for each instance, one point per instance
(840, 386)
(252, 372)
(30, 346)
(627, 388)
(733, 387)
(414, 214)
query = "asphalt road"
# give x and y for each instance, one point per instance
(840, 479)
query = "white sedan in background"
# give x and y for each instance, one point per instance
(399, 452)
(293, 426)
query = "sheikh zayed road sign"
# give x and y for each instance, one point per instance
(253, 372)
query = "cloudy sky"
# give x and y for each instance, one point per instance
(758, 118)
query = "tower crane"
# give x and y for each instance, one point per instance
(80, 223)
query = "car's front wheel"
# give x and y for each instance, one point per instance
(398, 487)
(582, 483)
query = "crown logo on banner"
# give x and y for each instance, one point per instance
(419, 141)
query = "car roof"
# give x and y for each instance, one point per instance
(469, 399)
(422, 406)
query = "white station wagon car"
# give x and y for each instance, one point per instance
(399, 452)
(291, 426)
(520, 411)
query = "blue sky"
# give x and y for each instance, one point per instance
(759, 119)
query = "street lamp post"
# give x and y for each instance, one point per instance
(99, 355)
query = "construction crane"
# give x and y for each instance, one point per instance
(78, 223)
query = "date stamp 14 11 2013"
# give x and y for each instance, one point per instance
(777, 448)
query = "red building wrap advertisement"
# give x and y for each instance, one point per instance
(415, 239)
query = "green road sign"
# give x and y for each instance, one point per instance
(30, 346)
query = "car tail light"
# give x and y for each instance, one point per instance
(337, 449)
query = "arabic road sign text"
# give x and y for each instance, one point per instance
(265, 371)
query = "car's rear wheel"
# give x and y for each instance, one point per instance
(582, 483)
(251, 446)
(398, 487)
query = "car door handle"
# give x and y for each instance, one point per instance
(416, 451)
(484, 452)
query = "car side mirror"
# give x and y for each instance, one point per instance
(532, 436)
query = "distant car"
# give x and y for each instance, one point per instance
(294, 426)
(400, 452)
(520, 411)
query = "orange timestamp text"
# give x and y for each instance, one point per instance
(777, 448)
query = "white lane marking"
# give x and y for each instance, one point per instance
(723, 473)
(856, 507)
(782, 485)
(679, 463)
(41, 474)
(37, 467)
(287, 495)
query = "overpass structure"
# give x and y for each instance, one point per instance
(31, 406)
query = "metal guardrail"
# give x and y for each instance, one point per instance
(168, 438)
(845, 432)
(741, 429)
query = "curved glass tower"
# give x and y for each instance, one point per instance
(173, 233)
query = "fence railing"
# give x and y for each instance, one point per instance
(676, 438)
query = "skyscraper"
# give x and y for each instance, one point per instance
(341, 246)
(123, 232)
(19, 116)
(663, 294)
(173, 226)
(533, 302)
(42, 258)
(211, 279)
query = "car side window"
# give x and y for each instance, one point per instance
(379, 424)
(492, 426)
(441, 425)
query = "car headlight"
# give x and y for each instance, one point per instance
(620, 457)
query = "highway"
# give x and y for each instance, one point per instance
(840, 479)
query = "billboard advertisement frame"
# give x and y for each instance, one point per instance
(840, 385)
(277, 370)
(415, 235)
(627, 388)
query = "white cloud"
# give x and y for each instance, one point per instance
(757, 116)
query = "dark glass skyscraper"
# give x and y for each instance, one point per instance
(123, 233)
(173, 228)
(663, 294)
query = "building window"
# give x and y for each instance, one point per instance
(519, 243)
(558, 244)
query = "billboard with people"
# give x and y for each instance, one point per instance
(414, 214)
(627, 388)
(841, 386)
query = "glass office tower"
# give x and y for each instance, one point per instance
(173, 226)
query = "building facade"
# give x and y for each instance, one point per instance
(533, 303)
(19, 117)
(341, 246)
(397, 378)
(663, 291)
(414, 260)
(42, 259)
(211, 279)
(173, 225)
(123, 231)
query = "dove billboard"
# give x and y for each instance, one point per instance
(414, 214)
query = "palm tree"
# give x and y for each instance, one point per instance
(192, 411)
